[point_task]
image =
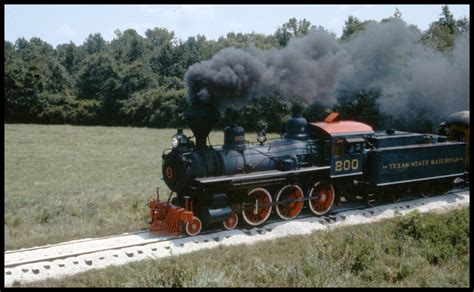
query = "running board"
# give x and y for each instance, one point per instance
(241, 178)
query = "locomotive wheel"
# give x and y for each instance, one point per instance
(257, 215)
(394, 194)
(373, 199)
(444, 187)
(193, 227)
(231, 222)
(426, 192)
(395, 198)
(289, 210)
(323, 198)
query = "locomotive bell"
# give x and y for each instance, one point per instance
(234, 137)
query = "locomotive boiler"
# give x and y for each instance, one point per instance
(316, 164)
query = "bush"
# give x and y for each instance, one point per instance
(86, 112)
(57, 108)
(441, 241)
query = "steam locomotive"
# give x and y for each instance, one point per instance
(318, 164)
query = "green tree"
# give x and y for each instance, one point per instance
(462, 25)
(352, 26)
(87, 112)
(164, 59)
(57, 108)
(37, 47)
(136, 77)
(69, 56)
(441, 34)
(155, 108)
(158, 37)
(23, 84)
(243, 40)
(361, 105)
(95, 71)
(132, 79)
(9, 50)
(269, 111)
(292, 28)
(128, 47)
(32, 73)
(139, 80)
(95, 44)
(165, 62)
(447, 20)
(20, 44)
(396, 15)
(58, 81)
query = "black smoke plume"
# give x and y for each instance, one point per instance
(412, 79)
(305, 70)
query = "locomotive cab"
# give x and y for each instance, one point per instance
(347, 156)
(343, 144)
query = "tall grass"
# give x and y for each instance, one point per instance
(67, 182)
(415, 251)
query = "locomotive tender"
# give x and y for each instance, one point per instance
(319, 164)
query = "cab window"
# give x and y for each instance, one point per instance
(354, 146)
(327, 149)
(338, 147)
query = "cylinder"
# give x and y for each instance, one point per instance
(216, 215)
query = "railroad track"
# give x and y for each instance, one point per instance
(55, 260)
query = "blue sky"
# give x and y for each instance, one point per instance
(59, 24)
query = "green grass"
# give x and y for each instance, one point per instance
(69, 182)
(413, 251)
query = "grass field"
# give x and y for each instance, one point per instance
(412, 251)
(68, 182)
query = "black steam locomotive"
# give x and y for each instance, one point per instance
(319, 164)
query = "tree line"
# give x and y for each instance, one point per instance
(137, 80)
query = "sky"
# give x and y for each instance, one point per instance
(59, 24)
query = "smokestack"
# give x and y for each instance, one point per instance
(201, 119)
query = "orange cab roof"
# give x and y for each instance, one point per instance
(342, 127)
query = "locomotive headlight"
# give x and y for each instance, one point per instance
(261, 136)
(174, 141)
(179, 139)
